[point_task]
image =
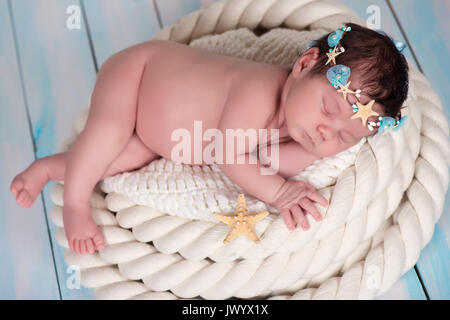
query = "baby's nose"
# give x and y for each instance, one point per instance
(326, 133)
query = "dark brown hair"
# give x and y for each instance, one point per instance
(383, 69)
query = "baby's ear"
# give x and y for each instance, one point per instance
(314, 51)
(297, 67)
(307, 60)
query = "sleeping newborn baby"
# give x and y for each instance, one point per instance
(144, 93)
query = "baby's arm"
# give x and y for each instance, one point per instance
(248, 176)
(293, 158)
(289, 197)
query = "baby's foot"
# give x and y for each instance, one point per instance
(82, 232)
(27, 185)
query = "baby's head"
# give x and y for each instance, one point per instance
(314, 107)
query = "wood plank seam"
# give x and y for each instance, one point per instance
(89, 36)
(158, 16)
(397, 21)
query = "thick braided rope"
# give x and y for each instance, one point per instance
(391, 242)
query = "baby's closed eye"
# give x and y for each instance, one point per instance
(332, 110)
(326, 110)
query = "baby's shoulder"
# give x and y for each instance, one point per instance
(253, 88)
(249, 104)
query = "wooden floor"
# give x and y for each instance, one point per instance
(48, 70)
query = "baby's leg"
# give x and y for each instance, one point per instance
(110, 125)
(27, 185)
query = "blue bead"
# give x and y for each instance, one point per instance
(381, 32)
(401, 123)
(400, 45)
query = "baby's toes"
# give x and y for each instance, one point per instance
(90, 246)
(24, 199)
(99, 241)
(16, 185)
(72, 245)
(83, 246)
(29, 201)
(76, 246)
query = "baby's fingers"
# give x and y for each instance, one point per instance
(316, 196)
(308, 206)
(287, 217)
(299, 216)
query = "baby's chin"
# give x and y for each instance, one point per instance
(306, 144)
(304, 140)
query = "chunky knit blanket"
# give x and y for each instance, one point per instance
(386, 193)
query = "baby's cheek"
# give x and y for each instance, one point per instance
(332, 148)
(298, 131)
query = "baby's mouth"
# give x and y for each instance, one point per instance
(309, 137)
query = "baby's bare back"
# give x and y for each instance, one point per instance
(183, 84)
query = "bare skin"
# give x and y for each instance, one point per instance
(145, 92)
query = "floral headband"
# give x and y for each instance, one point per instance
(338, 76)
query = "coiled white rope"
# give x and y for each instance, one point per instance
(382, 211)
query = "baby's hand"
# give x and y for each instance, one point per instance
(292, 202)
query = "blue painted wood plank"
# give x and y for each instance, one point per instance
(27, 269)
(172, 10)
(426, 26)
(59, 74)
(118, 24)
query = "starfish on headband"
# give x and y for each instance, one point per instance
(338, 75)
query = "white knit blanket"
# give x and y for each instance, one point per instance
(197, 191)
